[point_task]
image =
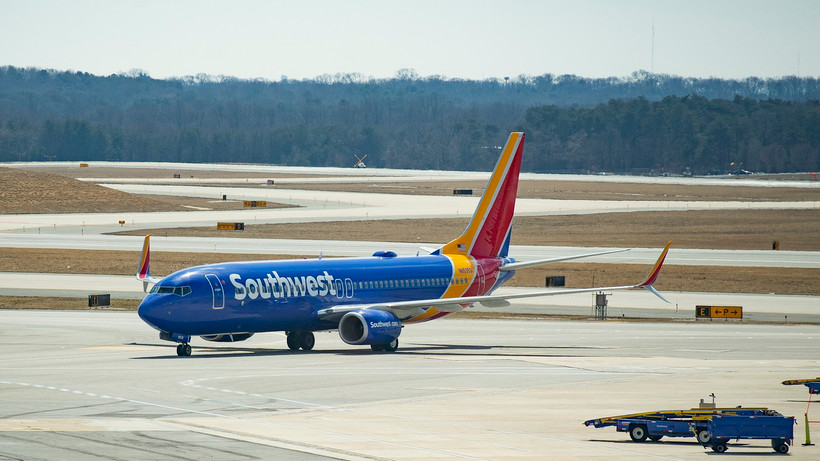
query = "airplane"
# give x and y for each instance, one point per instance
(367, 299)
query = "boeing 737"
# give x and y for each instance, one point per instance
(368, 300)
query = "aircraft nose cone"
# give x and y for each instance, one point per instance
(151, 311)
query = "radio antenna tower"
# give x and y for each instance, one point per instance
(652, 61)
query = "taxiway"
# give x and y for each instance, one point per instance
(100, 385)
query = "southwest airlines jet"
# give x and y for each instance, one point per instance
(368, 300)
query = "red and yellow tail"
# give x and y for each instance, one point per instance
(488, 233)
(144, 268)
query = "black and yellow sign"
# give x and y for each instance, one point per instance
(230, 226)
(719, 312)
(256, 204)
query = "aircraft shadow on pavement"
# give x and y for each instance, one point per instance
(420, 349)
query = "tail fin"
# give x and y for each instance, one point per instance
(144, 269)
(488, 233)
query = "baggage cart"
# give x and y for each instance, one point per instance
(723, 428)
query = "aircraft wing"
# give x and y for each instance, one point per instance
(407, 309)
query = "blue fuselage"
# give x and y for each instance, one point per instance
(285, 295)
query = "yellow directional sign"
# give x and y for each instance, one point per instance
(719, 312)
(230, 226)
(256, 204)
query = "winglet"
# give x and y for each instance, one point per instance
(653, 274)
(144, 269)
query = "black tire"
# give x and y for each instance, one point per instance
(293, 341)
(391, 346)
(186, 350)
(307, 341)
(179, 350)
(719, 447)
(703, 436)
(655, 438)
(780, 446)
(638, 433)
(377, 347)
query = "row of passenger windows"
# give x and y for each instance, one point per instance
(179, 291)
(412, 283)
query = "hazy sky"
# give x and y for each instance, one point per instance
(457, 39)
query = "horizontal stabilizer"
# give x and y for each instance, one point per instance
(541, 262)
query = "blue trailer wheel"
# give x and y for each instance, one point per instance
(703, 435)
(638, 433)
(780, 446)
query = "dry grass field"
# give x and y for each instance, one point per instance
(31, 192)
(26, 192)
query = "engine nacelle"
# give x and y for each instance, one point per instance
(227, 337)
(369, 326)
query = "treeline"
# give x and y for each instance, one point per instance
(679, 134)
(644, 123)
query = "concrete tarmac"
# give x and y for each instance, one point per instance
(101, 385)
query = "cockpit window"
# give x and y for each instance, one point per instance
(179, 291)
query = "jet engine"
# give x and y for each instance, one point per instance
(227, 337)
(369, 326)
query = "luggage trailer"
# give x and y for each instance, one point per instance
(723, 428)
(654, 425)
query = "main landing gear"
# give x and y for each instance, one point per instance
(388, 347)
(301, 340)
(183, 349)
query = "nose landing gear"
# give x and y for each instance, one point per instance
(183, 349)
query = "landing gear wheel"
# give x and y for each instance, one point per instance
(184, 350)
(293, 341)
(703, 436)
(307, 340)
(391, 346)
(655, 438)
(377, 347)
(638, 433)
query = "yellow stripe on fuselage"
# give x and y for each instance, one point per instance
(464, 267)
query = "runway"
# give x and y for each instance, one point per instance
(409, 175)
(100, 385)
